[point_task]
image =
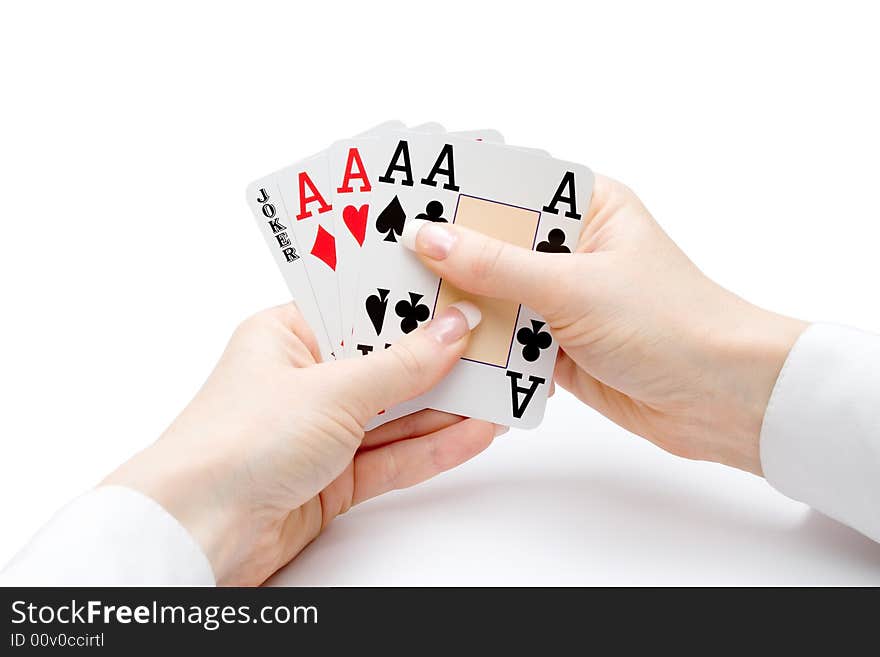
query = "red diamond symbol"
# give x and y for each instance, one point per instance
(324, 248)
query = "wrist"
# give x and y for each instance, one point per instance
(187, 489)
(747, 354)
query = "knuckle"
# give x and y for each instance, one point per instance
(254, 323)
(560, 278)
(606, 187)
(285, 312)
(407, 360)
(623, 190)
(485, 264)
(288, 313)
(623, 196)
(390, 469)
(409, 425)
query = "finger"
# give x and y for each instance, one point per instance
(409, 367)
(409, 462)
(570, 377)
(608, 401)
(485, 266)
(409, 426)
(603, 188)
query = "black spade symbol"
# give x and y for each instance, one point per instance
(377, 305)
(391, 220)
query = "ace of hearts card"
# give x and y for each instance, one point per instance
(354, 165)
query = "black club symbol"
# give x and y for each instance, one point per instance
(533, 340)
(411, 312)
(555, 243)
(433, 212)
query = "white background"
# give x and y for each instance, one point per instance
(128, 254)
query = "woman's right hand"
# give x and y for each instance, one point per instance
(646, 338)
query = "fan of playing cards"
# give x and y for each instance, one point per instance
(334, 220)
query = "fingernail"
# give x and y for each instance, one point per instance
(471, 313)
(500, 430)
(410, 229)
(434, 240)
(453, 323)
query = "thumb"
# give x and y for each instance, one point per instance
(489, 267)
(411, 366)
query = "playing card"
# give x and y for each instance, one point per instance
(524, 198)
(265, 201)
(307, 208)
(431, 127)
(334, 222)
(488, 134)
(382, 128)
(306, 196)
(350, 185)
(353, 165)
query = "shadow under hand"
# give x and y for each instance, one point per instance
(594, 527)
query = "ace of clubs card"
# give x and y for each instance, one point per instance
(526, 199)
(354, 165)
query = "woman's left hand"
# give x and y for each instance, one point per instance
(272, 448)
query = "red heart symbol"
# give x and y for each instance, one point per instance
(356, 220)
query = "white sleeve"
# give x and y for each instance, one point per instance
(111, 536)
(820, 440)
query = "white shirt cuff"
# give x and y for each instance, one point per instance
(820, 440)
(110, 536)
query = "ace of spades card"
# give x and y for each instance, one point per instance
(354, 166)
(527, 199)
(313, 216)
